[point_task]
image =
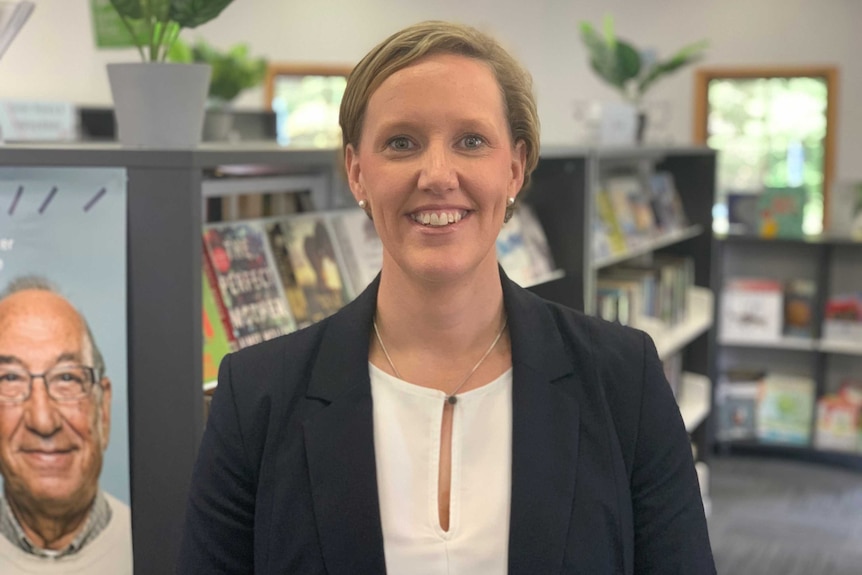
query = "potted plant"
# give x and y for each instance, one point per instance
(629, 70)
(160, 104)
(233, 72)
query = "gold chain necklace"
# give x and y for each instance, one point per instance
(450, 397)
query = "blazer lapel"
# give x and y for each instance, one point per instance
(339, 442)
(545, 423)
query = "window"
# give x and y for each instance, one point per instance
(773, 128)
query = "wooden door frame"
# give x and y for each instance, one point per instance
(276, 69)
(703, 76)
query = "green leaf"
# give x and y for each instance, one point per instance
(180, 52)
(159, 9)
(685, 56)
(128, 8)
(193, 13)
(628, 61)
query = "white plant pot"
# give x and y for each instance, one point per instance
(159, 104)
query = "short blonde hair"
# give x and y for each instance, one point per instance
(435, 37)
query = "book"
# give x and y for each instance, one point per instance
(781, 212)
(837, 424)
(304, 251)
(361, 248)
(248, 282)
(843, 318)
(799, 301)
(752, 310)
(609, 226)
(666, 202)
(522, 248)
(217, 341)
(619, 189)
(845, 210)
(736, 399)
(785, 409)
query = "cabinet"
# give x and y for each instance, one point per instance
(832, 266)
(563, 194)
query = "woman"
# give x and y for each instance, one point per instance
(446, 420)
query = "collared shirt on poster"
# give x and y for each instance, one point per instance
(97, 521)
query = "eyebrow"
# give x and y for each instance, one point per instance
(7, 359)
(67, 356)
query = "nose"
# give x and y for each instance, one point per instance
(41, 415)
(438, 173)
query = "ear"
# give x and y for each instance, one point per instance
(351, 166)
(105, 412)
(519, 163)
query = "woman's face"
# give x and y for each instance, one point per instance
(436, 165)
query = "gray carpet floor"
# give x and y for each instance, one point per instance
(775, 517)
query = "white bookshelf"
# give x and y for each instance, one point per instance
(649, 246)
(699, 318)
(694, 399)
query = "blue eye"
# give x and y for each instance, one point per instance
(400, 143)
(472, 142)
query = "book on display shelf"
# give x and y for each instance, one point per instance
(781, 212)
(843, 318)
(361, 248)
(621, 190)
(785, 409)
(522, 248)
(666, 202)
(248, 281)
(736, 400)
(608, 228)
(838, 424)
(845, 210)
(304, 251)
(752, 310)
(799, 303)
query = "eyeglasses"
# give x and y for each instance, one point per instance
(64, 383)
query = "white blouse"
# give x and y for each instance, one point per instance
(407, 422)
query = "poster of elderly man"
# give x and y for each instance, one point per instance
(64, 456)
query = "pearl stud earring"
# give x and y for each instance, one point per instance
(362, 204)
(511, 201)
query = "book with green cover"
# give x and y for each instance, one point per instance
(216, 339)
(780, 212)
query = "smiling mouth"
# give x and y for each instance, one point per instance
(438, 218)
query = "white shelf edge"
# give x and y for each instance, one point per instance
(703, 479)
(797, 343)
(651, 245)
(699, 318)
(545, 278)
(839, 346)
(210, 385)
(694, 402)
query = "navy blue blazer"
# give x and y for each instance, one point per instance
(602, 473)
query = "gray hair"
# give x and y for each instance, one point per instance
(33, 282)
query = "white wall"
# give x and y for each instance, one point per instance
(54, 57)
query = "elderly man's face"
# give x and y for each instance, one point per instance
(50, 452)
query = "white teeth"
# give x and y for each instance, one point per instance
(438, 219)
